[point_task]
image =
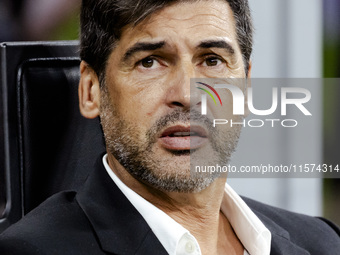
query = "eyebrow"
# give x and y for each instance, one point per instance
(217, 44)
(142, 46)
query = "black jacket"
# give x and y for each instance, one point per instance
(100, 220)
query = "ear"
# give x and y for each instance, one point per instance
(88, 91)
(250, 64)
(248, 85)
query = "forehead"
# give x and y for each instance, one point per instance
(188, 20)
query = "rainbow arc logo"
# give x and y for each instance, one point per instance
(209, 93)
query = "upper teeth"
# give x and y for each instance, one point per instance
(183, 133)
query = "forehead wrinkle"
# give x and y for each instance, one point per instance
(221, 24)
(168, 13)
(201, 17)
(215, 26)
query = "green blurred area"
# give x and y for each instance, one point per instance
(68, 30)
(331, 53)
(331, 69)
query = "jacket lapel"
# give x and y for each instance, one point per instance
(281, 243)
(282, 246)
(119, 227)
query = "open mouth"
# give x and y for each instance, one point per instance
(183, 138)
(183, 134)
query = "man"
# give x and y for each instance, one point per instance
(141, 198)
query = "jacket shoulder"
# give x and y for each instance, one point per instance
(58, 224)
(314, 234)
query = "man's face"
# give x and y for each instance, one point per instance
(147, 111)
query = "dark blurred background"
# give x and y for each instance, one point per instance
(26, 20)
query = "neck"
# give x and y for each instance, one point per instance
(198, 212)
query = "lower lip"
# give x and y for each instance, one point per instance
(183, 143)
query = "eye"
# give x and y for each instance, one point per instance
(148, 63)
(212, 61)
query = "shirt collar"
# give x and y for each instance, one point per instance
(167, 230)
(250, 230)
(254, 236)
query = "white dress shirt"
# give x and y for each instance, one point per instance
(177, 240)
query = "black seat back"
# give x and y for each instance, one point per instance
(47, 145)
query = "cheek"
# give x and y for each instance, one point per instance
(137, 100)
(226, 110)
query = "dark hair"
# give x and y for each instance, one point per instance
(102, 22)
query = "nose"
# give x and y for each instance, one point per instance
(182, 92)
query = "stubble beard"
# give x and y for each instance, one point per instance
(168, 174)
